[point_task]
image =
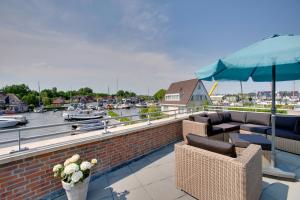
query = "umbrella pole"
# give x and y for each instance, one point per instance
(272, 170)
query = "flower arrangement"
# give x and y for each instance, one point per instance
(73, 170)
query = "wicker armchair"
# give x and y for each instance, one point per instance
(199, 129)
(210, 176)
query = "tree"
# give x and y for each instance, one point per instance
(160, 94)
(120, 93)
(31, 98)
(85, 91)
(19, 90)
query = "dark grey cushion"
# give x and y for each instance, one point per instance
(236, 123)
(216, 146)
(256, 128)
(286, 122)
(225, 116)
(213, 130)
(258, 118)
(238, 116)
(244, 140)
(215, 118)
(284, 133)
(227, 127)
(192, 117)
(297, 127)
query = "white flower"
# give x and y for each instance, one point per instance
(76, 176)
(85, 165)
(71, 168)
(74, 158)
(94, 161)
(57, 167)
(67, 162)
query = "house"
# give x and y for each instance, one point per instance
(3, 100)
(58, 102)
(183, 94)
(15, 104)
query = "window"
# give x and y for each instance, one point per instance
(172, 97)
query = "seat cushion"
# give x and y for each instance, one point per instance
(215, 118)
(256, 128)
(238, 116)
(235, 123)
(225, 116)
(216, 146)
(297, 127)
(244, 140)
(214, 130)
(227, 127)
(258, 118)
(284, 133)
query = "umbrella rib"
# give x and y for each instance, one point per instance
(253, 71)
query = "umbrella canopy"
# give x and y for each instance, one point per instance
(256, 61)
(273, 59)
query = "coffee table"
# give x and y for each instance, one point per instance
(242, 141)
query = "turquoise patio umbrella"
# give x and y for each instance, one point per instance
(273, 59)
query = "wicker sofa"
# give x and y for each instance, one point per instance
(208, 175)
(219, 125)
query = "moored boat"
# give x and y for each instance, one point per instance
(5, 123)
(83, 115)
(20, 118)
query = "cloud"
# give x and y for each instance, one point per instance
(66, 61)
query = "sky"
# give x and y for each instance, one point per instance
(138, 44)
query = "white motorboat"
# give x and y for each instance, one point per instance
(95, 125)
(20, 118)
(125, 106)
(5, 123)
(83, 115)
(39, 110)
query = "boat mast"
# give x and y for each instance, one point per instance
(39, 93)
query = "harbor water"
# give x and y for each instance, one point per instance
(49, 118)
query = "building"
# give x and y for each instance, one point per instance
(15, 104)
(58, 102)
(183, 94)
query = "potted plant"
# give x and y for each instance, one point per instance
(75, 176)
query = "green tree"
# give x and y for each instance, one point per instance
(31, 98)
(160, 94)
(85, 91)
(19, 90)
(120, 93)
(46, 101)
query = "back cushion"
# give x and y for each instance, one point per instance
(215, 118)
(286, 122)
(225, 116)
(216, 146)
(238, 116)
(297, 127)
(192, 117)
(258, 118)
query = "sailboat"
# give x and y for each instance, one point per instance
(40, 108)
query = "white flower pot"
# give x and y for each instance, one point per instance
(78, 191)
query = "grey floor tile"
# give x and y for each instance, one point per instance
(150, 175)
(186, 197)
(140, 164)
(99, 189)
(120, 172)
(121, 184)
(136, 194)
(163, 190)
(167, 169)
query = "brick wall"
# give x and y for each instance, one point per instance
(32, 178)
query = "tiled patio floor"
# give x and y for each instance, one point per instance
(152, 177)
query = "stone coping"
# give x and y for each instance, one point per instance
(51, 145)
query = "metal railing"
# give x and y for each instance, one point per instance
(144, 117)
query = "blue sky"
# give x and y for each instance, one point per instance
(142, 44)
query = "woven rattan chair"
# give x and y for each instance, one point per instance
(207, 175)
